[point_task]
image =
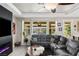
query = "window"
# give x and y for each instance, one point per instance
(27, 28)
(52, 27)
(39, 27)
(67, 29)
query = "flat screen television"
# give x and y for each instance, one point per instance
(5, 27)
(5, 32)
(5, 37)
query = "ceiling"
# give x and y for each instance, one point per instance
(39, 10)
(40, 7)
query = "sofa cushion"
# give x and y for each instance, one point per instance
(72, 46)
(61, 52)
(57, 38)
(43, 40)
(52, 40)
(63, 40)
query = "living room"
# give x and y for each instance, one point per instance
(34, 21)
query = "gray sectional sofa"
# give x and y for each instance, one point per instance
(57, 44)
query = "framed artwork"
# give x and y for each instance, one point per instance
(59, 24)
(60, 29)
(74, 27)
(13, 28)
(78, 26)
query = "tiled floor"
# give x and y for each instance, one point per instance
(19, 51)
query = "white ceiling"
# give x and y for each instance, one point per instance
(30, 7)
(40, 7)
(39, 10)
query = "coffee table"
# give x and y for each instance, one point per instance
(35, 50)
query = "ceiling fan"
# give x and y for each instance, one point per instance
(54, 10)
(65, 3)
(58, 3)
(52, 6)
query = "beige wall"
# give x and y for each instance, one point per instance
(19, 27)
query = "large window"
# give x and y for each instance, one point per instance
(39, 27)
(26, 28)
(52, 27)
(67, 29)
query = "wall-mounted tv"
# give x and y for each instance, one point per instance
(5, 32)
(5, 27)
